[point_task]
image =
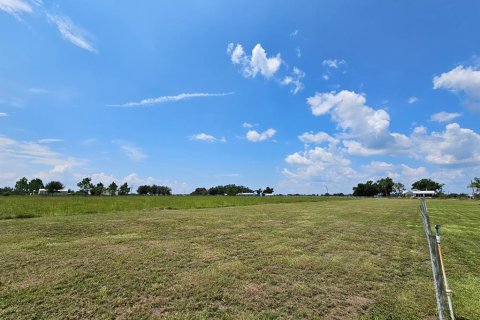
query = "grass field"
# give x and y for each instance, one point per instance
(331, 259)
(12, 207)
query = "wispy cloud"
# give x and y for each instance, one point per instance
(16, 7)
(71, 32)
(165, 99)
(412, 100)
(49, 140)
(207, 138)
(134, 153)
(444, 116)
(333, 63)
(3, 114)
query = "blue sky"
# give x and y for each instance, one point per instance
(302, 96)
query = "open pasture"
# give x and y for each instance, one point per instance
(333, 259)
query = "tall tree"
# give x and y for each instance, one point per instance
(34, 185)
(112, 188)
(368, 189)
(54, 186)
(385, 186)
(427, 184)
(124, 189)
(98, 189)
(85, 185)
(268, 190)
(21, 186)
(475, 185)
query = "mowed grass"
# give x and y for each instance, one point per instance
(12, 207)
(359, 259)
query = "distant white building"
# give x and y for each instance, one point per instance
(45, 191)
(246, 194)
(422, 193)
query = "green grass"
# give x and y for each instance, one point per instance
(12, 207)
(362, 259)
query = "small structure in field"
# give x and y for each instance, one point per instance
(246, 194)
(57, 192)
(422, 193)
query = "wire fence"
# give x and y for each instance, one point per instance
(442, 292)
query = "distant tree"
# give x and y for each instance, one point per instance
(21, 186)
(259, 191)
(85, 185)
(368, 189)
(268, 190)
(98, 190)
(229, 189)
(112, 188)
(398, 188)
(6, 191)
(199, 192)
(385, 186)
(475, 185)
(124, 189)
(34, 185)
(143, 190)
(163, 191)
(427, 184)
(54, 186)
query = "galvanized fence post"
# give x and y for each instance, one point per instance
(442, 293)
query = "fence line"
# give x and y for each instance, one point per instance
(442, 292)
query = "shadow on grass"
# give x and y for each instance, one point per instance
(19, 216)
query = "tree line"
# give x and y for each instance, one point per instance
(230, 190)
(387, 187)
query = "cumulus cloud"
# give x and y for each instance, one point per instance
(207, 138)
(257, 62)
(444, 116)
(455, 145)
(462, 80)
(165, 99)
(254, 136)
(71, 32)
(350, 111)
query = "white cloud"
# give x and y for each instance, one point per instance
(49, 140)
(415, 173)
(412, 100)
(165, 99)
(132, 152)
(71, 32)
(324, 165)
(444, 116)
(16, 7)
(3, 114)
(465, 80)
(207, 138)
(318, 138)
(333, 63)
(298, 52)
(258, 62)
(255, 136)
(453, 146)
(349, 110)
(294, 33)
(32, 159)
(248, 125)
(294, 80)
